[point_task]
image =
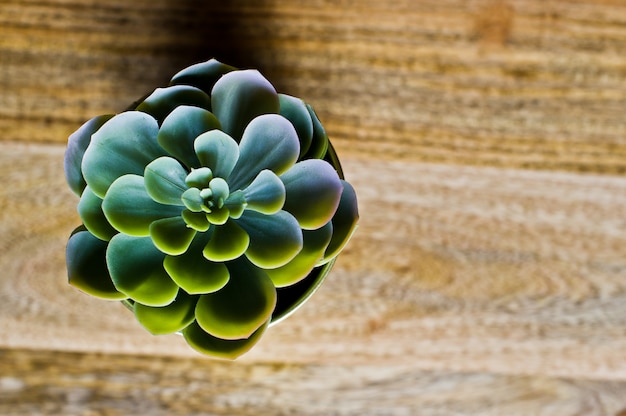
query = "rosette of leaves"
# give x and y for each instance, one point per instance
(205, 202)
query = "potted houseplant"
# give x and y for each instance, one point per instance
(213, 207)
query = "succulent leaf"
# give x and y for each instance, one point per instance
(274, 239)
(313, 192)
(180, 129)
(319, 142)
(228, 242)
(194, 273)
(171, 235)
(202, 75)
(196, 220)
(90, 211)
(344, 222)
(239, 308)
(295, 110)
(136, 268)
(314, 245)
(269, 142)
(266, 193)
(205, 343)
(76, 145)
(218, 151)
(128, 207)
(165, 180)
(86, 266)
(167, 319)
(240, 96)
(124, 144)
(163, 101)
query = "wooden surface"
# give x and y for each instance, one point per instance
(486, 141)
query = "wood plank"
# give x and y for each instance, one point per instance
(53, 383)
(454, 268)
(521, 83)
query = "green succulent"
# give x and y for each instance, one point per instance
(205, 205)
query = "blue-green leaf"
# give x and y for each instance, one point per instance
(203, 75)
(167, 319)
(217, 151)
(215, 347)
(76, 145)
(240, 96)
(181, 128)
(196, 220)
(165, 180)
(124, 144)
(295, 110)
(163, 101)
(241, 307)
(194, 273)
(319, 142)
(266, 193)
(86, 266)
(269, 142)
(344, 222)
(315, 243)
(228, 242)
(313, 192)
(90, 211)
(128, 207)
(274, 239)
(136, 268)
(171, 235)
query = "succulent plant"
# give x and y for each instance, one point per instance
(205, 204)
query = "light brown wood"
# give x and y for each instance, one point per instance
(469, 279)
(526, 83)
(487, 143)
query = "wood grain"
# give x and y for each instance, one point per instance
(485, 139)
(527, 83)
(464, 270)
(41, 382)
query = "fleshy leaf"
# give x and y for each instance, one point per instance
(315, 243)
(274, 239)
(196, 220)
(193, 200)
(129, 208)
(228, 242)
(199, 178)
(205, 343)
(295, 110)
(180, 129)
(266, 193)
(163, 101)
(239, 308)
(319, 142)
(124, 144)
(313, 192)
(194, 273)
(269, 142)
(218, 216)
(136, 268)
(203, 75)
(171, 235)
(165, 180)
(344, 222)
(167, 319)
(90, 211)
(86, 266)
(240, 96)
(218, 151)
(76, 145)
